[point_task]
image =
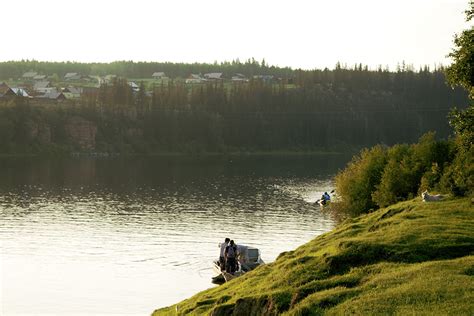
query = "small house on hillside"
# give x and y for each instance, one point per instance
(213, 76)
(29, 75)
(6, 91)
(264, 78)
(239, 78)
(53, 95)
(193, 78)
(39, 77)
(71, 76)
(41, 86)
(134, 86)
(107, 79)
(159, 75)
(21, 92)
(72, 92)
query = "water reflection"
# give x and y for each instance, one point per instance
(130, 235)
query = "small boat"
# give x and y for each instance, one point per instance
(325, 199)
(322, 202)
(248, 259)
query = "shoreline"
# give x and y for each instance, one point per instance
(370, 264)
(183, 154)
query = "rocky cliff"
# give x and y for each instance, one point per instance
(81, 132)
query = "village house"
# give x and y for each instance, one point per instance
(213, 76)
(159, 75)
(42, 86)
(72, 92)
(239, 78)
(53, 95)
(134, 86)
(107, 79)
(21, 92)
(193, 78)
(72, 76)
(6, 91)
(29, 75)
(39, 77)
(264, 78)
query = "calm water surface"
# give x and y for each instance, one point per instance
(126, 236)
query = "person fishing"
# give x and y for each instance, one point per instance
(230, 257)
(326, 197)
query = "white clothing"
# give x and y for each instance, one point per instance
(223, 246)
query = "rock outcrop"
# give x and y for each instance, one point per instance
(41, 132)
(81, 132)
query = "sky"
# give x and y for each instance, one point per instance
(296, 33)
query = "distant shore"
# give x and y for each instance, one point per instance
(282, 153)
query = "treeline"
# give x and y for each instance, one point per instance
(352, 108)
(130, 69)
(249, 68)
(321, 110)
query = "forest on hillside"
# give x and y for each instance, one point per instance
(319, 110)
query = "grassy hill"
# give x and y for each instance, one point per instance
(409, 258)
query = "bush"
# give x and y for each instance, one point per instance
(379, 177)
(357, 182)
(458, 178)
(411, 169)
(395, 179)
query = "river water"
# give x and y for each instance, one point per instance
(126, 236)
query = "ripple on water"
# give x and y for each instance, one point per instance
(143, 240)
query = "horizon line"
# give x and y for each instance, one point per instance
(343, 65)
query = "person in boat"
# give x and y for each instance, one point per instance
(223, 246)
(326, 197)
(230, 257)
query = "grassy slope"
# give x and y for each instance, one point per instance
(409, 258)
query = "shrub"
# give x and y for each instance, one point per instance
(458, 178)
(357, 182)
(431, 178)
(411, 169)
(379, 177)
(392, 181)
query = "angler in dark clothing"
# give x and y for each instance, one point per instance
(230, 257)
(325, 198)
(222, 247)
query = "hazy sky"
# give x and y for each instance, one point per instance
(297, 33)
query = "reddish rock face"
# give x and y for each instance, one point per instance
(81, 132)
(40, 132)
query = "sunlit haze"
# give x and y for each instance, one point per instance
(299, 34)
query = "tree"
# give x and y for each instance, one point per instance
(461, 72)
(459, 176)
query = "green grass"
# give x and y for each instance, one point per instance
(410, 258)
